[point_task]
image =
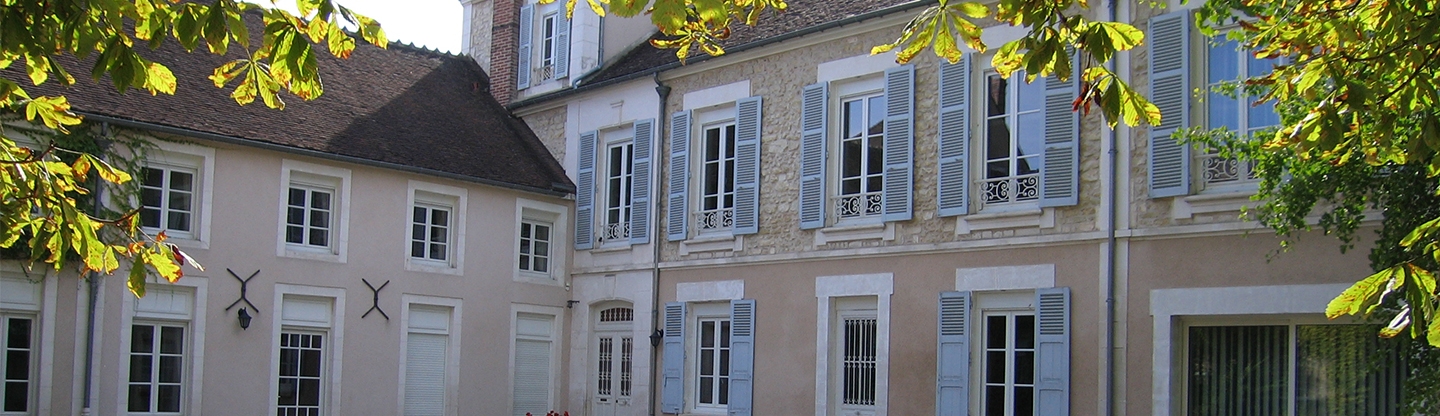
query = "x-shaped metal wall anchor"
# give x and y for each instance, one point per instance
(375, 307)
(244, 285)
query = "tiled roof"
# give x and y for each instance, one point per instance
(402, 107)
(800, 16)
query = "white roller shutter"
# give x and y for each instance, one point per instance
(532, 378)
(425, 374)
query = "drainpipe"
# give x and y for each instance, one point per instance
(664, 92)
(94, 293)
(1111, 275)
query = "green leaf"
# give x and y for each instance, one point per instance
(1122, 36)
(1008, 59)
(1422, 231)
(1360, 294)
(972, 9)
(136, 282)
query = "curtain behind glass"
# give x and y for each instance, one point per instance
(1239, 371)
(1346, 370)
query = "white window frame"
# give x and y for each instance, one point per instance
(862, 308)
(1244, 182)
(33, 380)
(626, 330)
(452, 355)
(700, 312)
(174, 304)
(549, 22)
(842, 91)
(558, 216)
(981, 357)
(1168, 307)
(185, 355)
(24, 294)
(297, 174)
(556, 323)
(435, 196)
(332, 326)
(830, 292)
(620, 231)
(1010, 116)
(197, 160)
(721, 220)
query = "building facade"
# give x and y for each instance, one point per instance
(819, 230)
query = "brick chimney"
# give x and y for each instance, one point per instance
(491, 36)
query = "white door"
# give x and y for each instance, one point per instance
(611, 378)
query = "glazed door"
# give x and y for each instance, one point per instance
(611, 371)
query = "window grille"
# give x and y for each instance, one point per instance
(858, 367)
(617, 315)
(627, 348)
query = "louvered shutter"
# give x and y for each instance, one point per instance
(678, 205)
(425, 374)
(952, 384)
(532, 378)
(672, 366)
(742, 357)
(899, 143)
(1170, 91)
(747, 165)
(522, 58)
(1052, 351)
(585, 192)
(640, 182)
(813, 122)
(954, 138)
(562, 46)
(1060, 174)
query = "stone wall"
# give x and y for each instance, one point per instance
(549, 126)
(779, 78)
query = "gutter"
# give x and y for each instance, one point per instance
(581, 86)
(93, 296)
(664, 92)
(556, 189)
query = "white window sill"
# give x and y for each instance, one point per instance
(426, 266)
(525, 276)
(1028, 217)
(842, 233)
(719, 411)
(713, 242)
(611, 247)
(1223, 200)
(308, 253)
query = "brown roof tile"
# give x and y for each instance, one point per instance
(422, 110)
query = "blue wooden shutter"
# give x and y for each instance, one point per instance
(742, 357)
(522, 58)
(672, 369)
(954, 138)
(585, 192)
(747, 165)
(1052, 351)
(1170, 91)
(952, 384)
(813, 121)
(640, 182)
(676, 209)
(1060, 173)
(899, 143)
(562, 46)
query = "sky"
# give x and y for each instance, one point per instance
(431, 23)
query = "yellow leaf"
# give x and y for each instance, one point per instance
(159, 79)
(972, 9)
(136, 282)
(1360, 294)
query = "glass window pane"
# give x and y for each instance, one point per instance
(854, 124)
(182, 181)
(170, 369)
(168, 399)
(1224, 64)
(139, 398)
(1223, 111)
(1025, 332)
(154, 177)
(319, 238)
(289, 362)
(440, 217)
(707, 362)
(542, 265)
(1239, 367)
(151, 197)
(418, 215)
(309, 392)
(142, 338)
(707, 334)
(320, 200)
(995, 331)
(18, 333)
(995, 99)
(1030, 133)
(542, 232)
(172, 340)
(1031, 95)
(297, 197)
(294, 234)
(877, 115)
(995, 366)
(1346, 370)
(1024, 367)
(295, 216)
(1024, 401)
(17, 365)
(178, 221)
(140, 368)
(707, 390)
(150, 217)
(994, 401)
(310, 363)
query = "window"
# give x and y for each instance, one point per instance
(430, 233)
(167, 200)
(17, 337)
(1014, 138)
(1009, 364)
(535, 246)
(533, 360)
(427, 364)
(308, 343)
(546, 70)
(857, 147)
(1227, 62)
(314, 210)
(1291, 369)
(544, 45)
(302, 381)
(862, 157)
(712, 384)
(157, 367)
(855, 354)
(617, 181)
(717, 178)
(308, 215)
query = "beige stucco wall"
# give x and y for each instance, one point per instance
(246, 191)
(786, 308)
